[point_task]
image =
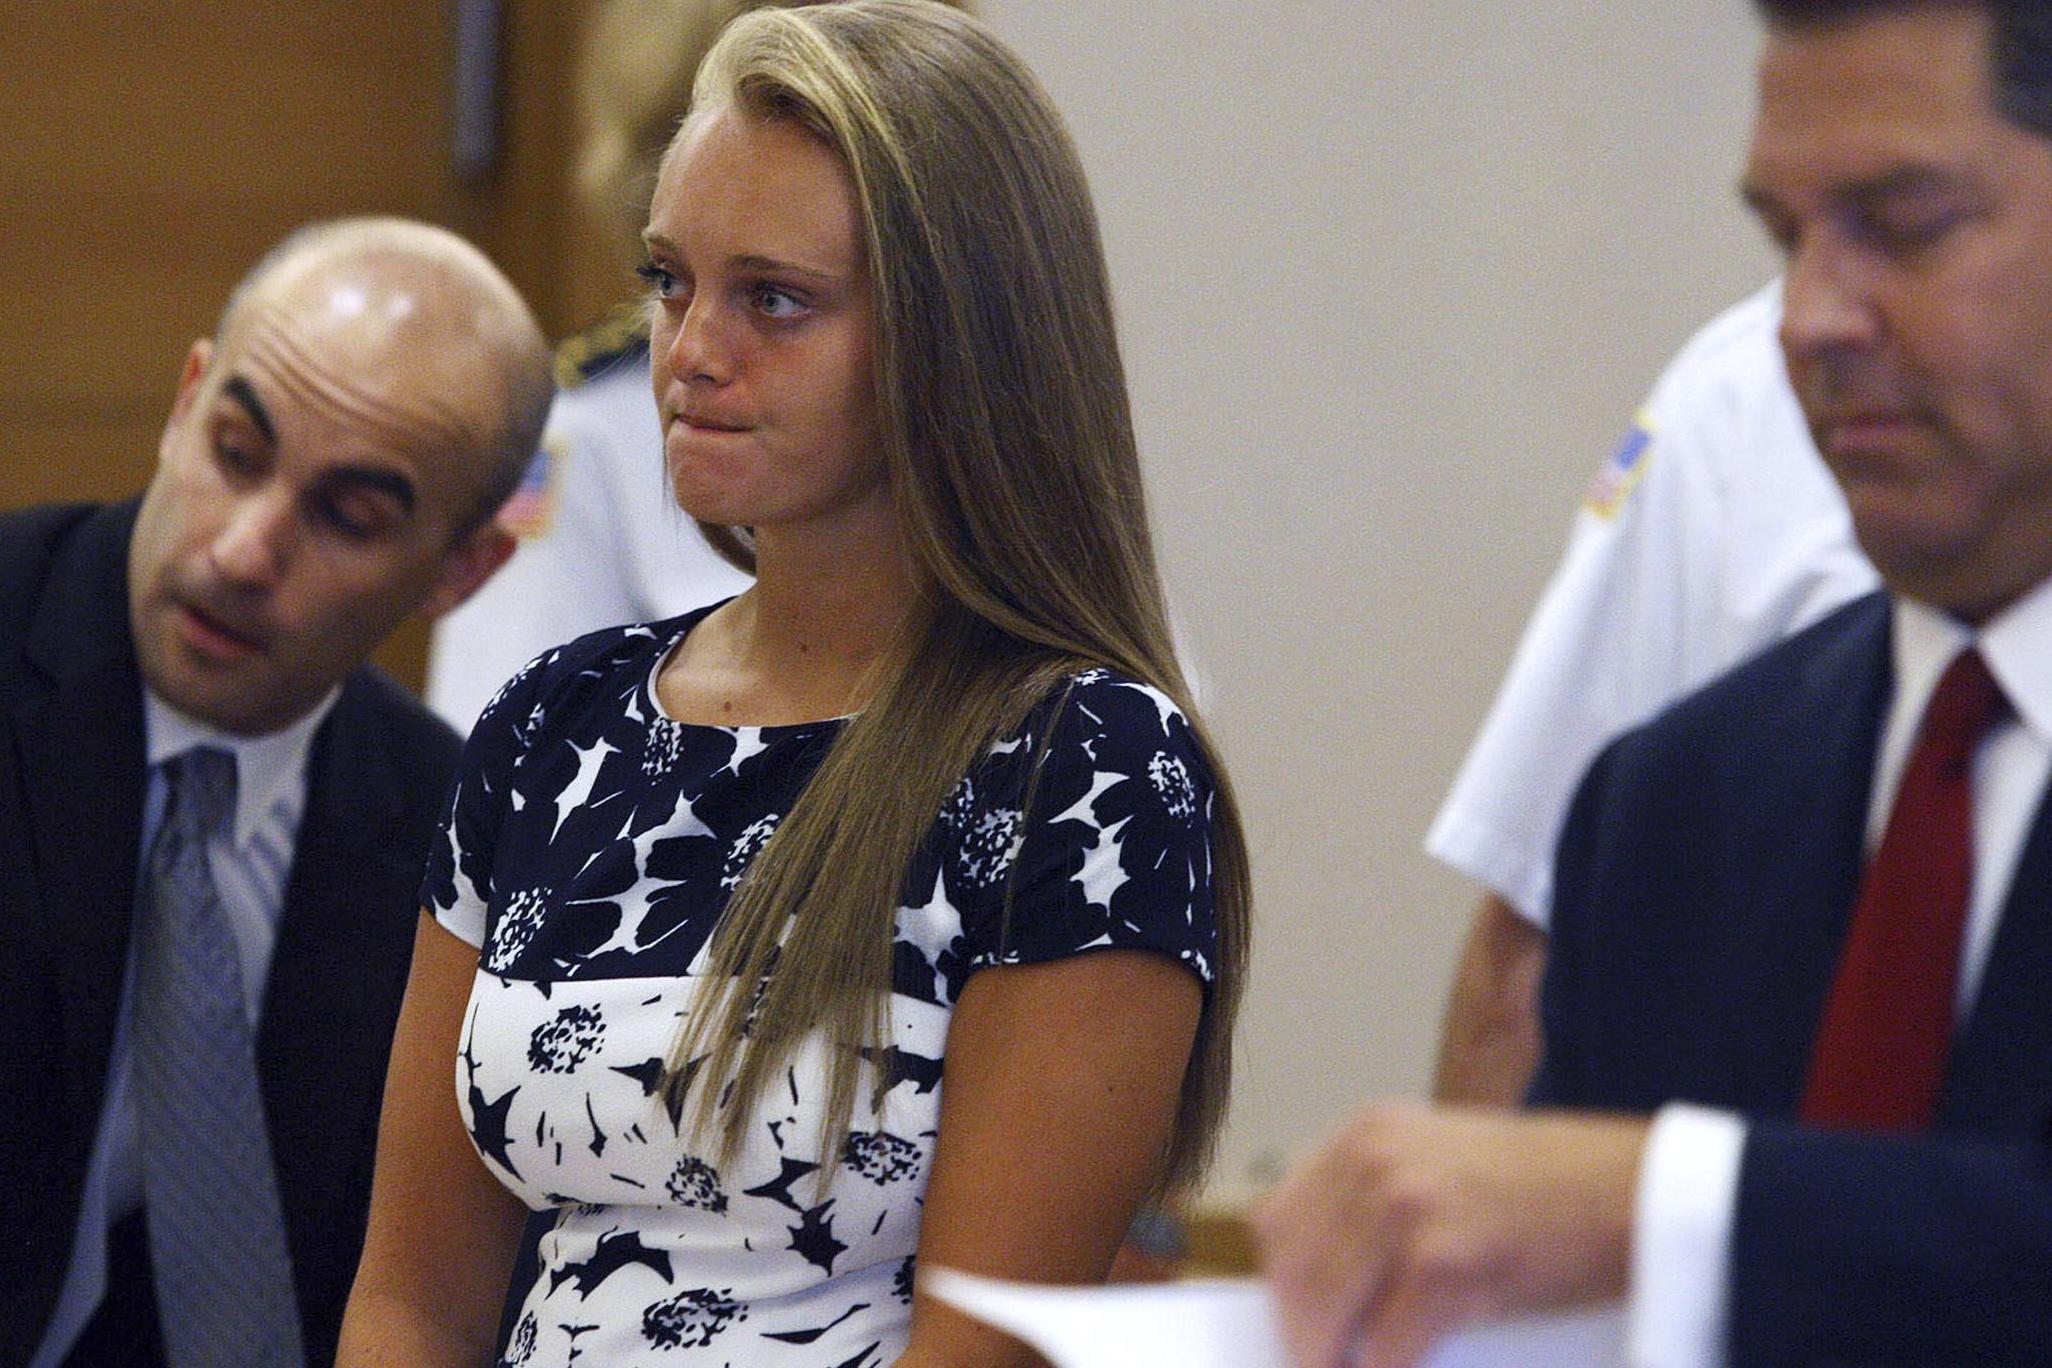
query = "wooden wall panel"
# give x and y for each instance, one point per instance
(101, 456)
(155, 147)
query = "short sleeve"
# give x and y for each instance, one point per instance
(1097, 838)
(457, 887)
(1713, 532)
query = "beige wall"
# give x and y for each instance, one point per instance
(154, 148)
(1392, 278)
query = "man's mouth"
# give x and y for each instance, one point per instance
(217, 635)
(1854, 432)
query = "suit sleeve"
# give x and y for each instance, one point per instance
(1885, 1250)
(1578, 866)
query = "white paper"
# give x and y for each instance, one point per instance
(1227, 1323)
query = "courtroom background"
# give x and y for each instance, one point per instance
(1391, 279)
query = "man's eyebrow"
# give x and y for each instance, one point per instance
(238, 389)
(1898, 180)
(387, 482)
(1901, 180)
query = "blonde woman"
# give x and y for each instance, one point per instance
(596, 545)
(723, 897)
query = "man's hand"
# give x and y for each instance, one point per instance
(1410, 1221)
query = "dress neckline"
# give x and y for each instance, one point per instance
(656, 709)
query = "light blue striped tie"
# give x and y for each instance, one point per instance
(210, 1193)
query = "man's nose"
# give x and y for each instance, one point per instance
(254, 544)
(1827, 306)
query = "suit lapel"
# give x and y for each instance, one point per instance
(79, 730)
(1801, 845)
(326, 1006)
(1998, 1081)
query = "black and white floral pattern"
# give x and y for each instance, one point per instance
(1171, 778)
(695, 1183)
(882, 1158)
(690, 1320)
(592, 844)
(989, 845)
(559, 1046)
(522, 918)
(520, 1346)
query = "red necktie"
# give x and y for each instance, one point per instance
(1879, 1058)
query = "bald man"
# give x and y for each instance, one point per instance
(194, 1194)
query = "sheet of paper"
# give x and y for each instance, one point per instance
(1226, 1323)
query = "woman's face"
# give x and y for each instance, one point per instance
(761, 339)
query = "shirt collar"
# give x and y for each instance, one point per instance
(270, 770)
(2016, 643)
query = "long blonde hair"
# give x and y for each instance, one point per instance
(1009, 443)
(636, 63)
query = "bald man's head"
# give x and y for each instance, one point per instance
(422, 296)
(330, 466)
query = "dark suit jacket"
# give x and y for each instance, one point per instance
(72, 774)
(1704, 882)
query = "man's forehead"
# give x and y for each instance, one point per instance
(353, 396)
(291, 356)
(1872, 98)
(375, 302)
(359, 299)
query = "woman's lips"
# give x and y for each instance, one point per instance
(706, 423)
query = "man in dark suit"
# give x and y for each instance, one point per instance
(1807, 913)
(330, 465)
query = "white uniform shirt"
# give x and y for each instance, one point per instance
(604, 543)
(1713, 532)
(1688, 1183)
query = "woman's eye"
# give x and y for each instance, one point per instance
(660, 282)
(776, 303)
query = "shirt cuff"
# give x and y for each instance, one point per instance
(1681, 1238)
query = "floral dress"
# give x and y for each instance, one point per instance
(590, 846)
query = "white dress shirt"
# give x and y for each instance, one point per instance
(249, 869)
(1688, 1185)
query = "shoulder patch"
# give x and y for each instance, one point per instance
(531, 507)
(1622, 470)
(602, 346)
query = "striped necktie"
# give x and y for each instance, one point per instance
(217, 1233)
